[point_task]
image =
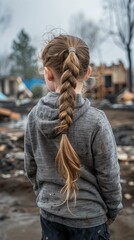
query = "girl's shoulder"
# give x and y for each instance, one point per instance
(97, 118)
(96, 114)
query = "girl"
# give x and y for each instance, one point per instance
(70, 150)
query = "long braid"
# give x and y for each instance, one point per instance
(69, 67)
(67, 160)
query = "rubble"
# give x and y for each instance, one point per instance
(3, 217)
(4, 112)
(126, 97)
(125, 153)
(123, 181)
(11, 154)
(124, 135)
(127, 196)
(131, 183)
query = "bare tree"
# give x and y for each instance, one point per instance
(5, 16)
(90, 32)
(85, 29)
(5, 65)
(120, 17)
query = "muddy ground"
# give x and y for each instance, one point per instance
(19, 216)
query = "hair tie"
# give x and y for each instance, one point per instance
(72, 49)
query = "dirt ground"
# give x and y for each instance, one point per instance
(19, 216)
(119, 117)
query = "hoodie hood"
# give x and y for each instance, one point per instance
(47, 112)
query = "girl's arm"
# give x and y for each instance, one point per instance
(106, 166)
(30, 166)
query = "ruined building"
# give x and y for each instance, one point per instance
(108, 80)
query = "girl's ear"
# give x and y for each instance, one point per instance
(89, 71)
(48, 74)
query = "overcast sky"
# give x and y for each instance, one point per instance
(37, 16)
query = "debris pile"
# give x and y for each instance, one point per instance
(6, 113)
(125, 153)
(126, 97)
(11, 154)
(124, 136)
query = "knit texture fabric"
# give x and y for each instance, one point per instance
(92, 138)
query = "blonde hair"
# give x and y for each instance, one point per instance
(69, 67)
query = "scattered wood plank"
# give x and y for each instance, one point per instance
(4, 112)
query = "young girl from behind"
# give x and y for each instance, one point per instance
(70, 151)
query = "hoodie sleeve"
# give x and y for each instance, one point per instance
(30, 166)
(106, 166)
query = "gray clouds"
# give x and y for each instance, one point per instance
(36, 15)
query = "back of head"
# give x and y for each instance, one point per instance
(68, 56)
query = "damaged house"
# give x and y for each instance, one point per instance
(108, 80)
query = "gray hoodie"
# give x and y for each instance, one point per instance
(91, 136)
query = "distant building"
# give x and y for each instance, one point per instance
(109, 80)
(10, 87)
